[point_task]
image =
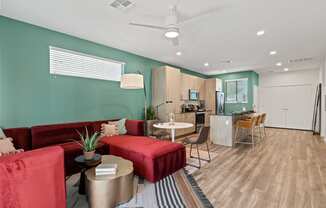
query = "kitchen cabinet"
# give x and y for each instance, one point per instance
(211, 86)
(166, 84)
(192, 82)
(207, 117)
(210, 95)
(186, 84)
(187, 118)
(219, 84)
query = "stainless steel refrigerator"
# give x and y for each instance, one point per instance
(219, 102)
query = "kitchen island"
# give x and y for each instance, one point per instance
(222, 131)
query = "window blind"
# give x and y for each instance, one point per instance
(70, 63)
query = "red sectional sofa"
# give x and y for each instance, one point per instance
(33, 179)
(153, 159)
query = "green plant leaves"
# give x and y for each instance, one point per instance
(89, 143)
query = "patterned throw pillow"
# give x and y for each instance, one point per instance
(7, 147)
(109, 130)
(121, 125)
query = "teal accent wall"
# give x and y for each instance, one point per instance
(253, 79)
(29, 95)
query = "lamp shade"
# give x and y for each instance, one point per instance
(132, 81)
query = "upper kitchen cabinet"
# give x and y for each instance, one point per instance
(211, 86)
(191, 82)
(166, 85)
(219, 85)
(210, 93)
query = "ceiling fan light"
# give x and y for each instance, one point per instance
(172, 33)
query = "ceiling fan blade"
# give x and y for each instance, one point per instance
(175, 41)
(148, 26)
(185, 19)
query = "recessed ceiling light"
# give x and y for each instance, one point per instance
(206, 64)
(179, 53)
(172, 33)
(286, 69)
(279, 64)
(260, 33)
(272, 53)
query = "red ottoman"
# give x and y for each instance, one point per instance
(152, 159)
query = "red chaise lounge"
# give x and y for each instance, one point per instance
(152, 159)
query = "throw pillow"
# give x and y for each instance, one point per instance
(6, 146)
(109, 130)
(121, 124)
(2, 134)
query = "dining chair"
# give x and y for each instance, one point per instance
(201, 139)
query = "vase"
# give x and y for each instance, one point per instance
(89, 155)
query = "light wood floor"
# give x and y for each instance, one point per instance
(287, 169)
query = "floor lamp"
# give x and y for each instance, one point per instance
(134, 82)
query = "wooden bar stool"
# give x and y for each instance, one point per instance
(257, 126)
(262, 123)
(248, 125)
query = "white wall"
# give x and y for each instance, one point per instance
(272, 93)
(300, 77)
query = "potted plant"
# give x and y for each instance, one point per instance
(151, 119)
(89, 144)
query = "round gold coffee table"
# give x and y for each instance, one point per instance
(109, 191)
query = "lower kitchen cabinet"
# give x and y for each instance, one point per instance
(187, 118)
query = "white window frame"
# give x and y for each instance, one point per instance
(236, 80)
(87, 73)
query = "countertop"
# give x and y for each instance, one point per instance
(195, 112)
(235, 113)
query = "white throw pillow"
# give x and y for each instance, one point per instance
(2, 134)
(6, 146)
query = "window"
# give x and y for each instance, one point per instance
(70, 63)
(237, 91)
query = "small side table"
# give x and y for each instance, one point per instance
(85, 165)
(111, 190)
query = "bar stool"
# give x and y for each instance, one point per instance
(258, 124)
(262, 123)
(248, 125)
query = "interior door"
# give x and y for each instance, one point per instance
(300, 110)
(271, 104)
(288, 106)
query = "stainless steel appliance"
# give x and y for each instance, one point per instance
(188, 107)
(200, 120)
(202, 105)
(193, 95)
(219, 102)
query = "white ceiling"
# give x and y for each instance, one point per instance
(294, 28)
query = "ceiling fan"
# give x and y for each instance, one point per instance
(173, 22)
(171, 28)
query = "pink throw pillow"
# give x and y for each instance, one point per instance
(109, 130)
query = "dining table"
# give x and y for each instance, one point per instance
(173, 126)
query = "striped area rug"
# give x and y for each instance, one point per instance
(176, 190)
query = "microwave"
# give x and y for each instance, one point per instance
(193, 95)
